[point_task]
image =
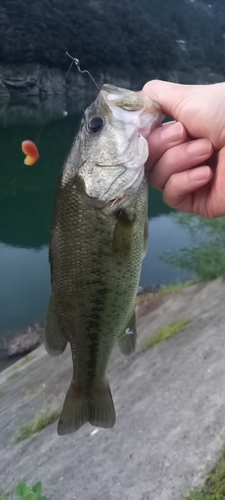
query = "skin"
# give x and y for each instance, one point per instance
(98, 241)
(188, 156)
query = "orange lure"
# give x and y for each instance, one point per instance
(31, 151)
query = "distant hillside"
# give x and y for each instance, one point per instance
(146, 38)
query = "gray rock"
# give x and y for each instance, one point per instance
(3, 91)
(22, 343)
(170, 405)
(36, 80)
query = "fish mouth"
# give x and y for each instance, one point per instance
(133, 107)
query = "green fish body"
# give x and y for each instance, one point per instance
(98, 240)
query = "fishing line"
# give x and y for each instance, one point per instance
(76, 62)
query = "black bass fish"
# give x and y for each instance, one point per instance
(98, 240)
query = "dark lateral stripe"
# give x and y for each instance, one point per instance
(98, 283)
(93, 331)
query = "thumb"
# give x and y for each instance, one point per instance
(169, 95)
(197, 107)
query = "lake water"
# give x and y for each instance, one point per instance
(26, 203)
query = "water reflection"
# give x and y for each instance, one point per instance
(26, 198)
(26, 286)
(26, 203)
(164, 235)
(34, 111)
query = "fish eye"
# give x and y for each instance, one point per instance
(95, 124)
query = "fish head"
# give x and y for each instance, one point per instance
(113, 145)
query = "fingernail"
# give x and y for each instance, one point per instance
(172, 132)
(199, 147)
(199, 174)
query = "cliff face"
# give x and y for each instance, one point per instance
(37, 80)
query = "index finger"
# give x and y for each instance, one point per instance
(163, 138)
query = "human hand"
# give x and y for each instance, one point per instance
(175, 162)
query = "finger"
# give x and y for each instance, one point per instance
(181, 187)
(163, 138)
(192, 105)
(168, 94)
(179, 158)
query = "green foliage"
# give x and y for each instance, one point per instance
(167, 289)
(42, 419)
(24, 492)
(214, 488)
(206, 259)
(138, 37)
(1, 394)
(27, 359)
(167, 332)
(195, 495)
(164, 290)
(14, 373)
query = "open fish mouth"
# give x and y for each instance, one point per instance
(133, 107)
(115, 129)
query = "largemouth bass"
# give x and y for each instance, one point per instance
(98, 240)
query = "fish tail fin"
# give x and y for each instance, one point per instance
(97, 408)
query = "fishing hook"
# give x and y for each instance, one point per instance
(77, 63)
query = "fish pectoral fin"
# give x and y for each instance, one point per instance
(54, 342)
(123, 233)
(127, 341)
(79, 407)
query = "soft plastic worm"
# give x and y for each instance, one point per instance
(31, 151)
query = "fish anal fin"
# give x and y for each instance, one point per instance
(127, 340)
(80, 407)
(54, 342)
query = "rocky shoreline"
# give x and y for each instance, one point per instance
(22, 343)
(40, 81)
(169, 401)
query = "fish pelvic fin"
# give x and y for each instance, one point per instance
(127, 340)
(54, 342)
(95, 407)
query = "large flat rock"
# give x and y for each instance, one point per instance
(170, 404)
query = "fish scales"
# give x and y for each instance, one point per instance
(98, 241)
(97, 287)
